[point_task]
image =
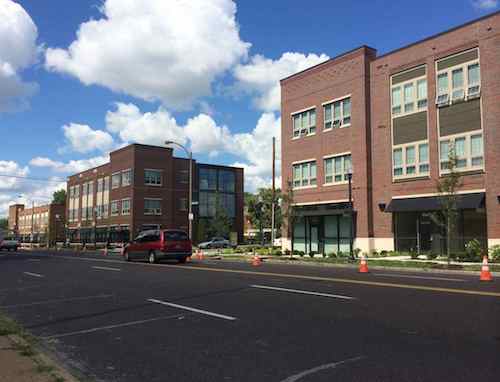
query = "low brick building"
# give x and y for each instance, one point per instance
(146, 187)
(391, 121)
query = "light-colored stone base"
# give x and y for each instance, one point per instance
(369, 244)
(492, 242)
(286, 244)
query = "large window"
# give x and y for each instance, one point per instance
(410, 160)
(100, 185)
(468, 150)
(208, 179)
(458, 83)
(304, 123)
(409, 97)
(207, 204)
(115, 180)
(126, 178)
(337, 114)
(304, 174)
(152, 177)
(152, 206)
(114, 208)
(126, 207)
(337, 168)
(226, 181)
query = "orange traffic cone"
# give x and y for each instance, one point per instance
(200, 254)
(363, 265)
(188, 259)
(485, 271)
(256, 261)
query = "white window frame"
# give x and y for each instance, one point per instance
(309, 179)
(417, 163)
(467, 93)
(416, 100)
(153, 184)
(343, 172)
(342, 117)
(124, 211)
(112, 213)
(129, 171)
(156, 211)
(468, 151)
(301, 131)
(113, 186)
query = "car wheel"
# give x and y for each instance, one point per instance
(152, 258)
(126, 256)
(182, 260)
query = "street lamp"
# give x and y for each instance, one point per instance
(351, 214)
(190, 207)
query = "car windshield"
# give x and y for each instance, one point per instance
(175, 235)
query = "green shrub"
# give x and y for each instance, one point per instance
(374, 253)
(431, 256)
(331, 255)
(383, 253)
(276, 252)
(414, 255)
(495, 253)
(287, 252)
(301, 253)
(474, 250)
(356, 252)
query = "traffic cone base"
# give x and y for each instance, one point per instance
(363, 265)
(485, 271)
(256, 261)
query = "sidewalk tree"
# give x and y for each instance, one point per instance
(288, 210)
(59, 196)
(221, 223)
(263, 215)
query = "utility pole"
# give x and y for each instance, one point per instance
(351, 214)
(32, 221)
(273, 235)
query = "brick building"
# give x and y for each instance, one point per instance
(391, 121)
(146, 187)
(40, 224)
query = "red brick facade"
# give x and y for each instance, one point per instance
(367, 79)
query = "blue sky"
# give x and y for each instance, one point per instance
(203, 72)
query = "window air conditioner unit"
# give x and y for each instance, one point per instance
(443, 100)
(474, 92)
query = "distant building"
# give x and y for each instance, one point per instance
(41, 224)
(146, 187)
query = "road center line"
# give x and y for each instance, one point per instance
(108, 269)
(57, 300)
(332, 365)
(418, 277)
(303, 292)
(205, 312)
(33, 274)
(92, 330)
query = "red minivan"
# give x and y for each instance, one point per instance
(155, 245)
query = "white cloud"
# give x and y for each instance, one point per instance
(168, 50)
(205, 136)
(83, 139)
(13, 169)
(133, 126)
(485, 4)
(261, 76)
(18, 50)
(71, 167)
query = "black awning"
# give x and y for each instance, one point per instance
(433, 203)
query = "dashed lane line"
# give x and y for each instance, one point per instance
(297, 291)
(107, 269)
(188, 308)
(33, 274)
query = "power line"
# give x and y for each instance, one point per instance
(34, 179)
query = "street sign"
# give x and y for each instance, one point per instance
(195, 203)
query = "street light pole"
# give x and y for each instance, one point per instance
(351, 228)
(190, 207)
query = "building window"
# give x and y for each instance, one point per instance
(115, 180)
(208, 179)
(304, 123)
(337, 114)
(468, 150)
(337, 168)
(152, 177)
(114, 208)
(183, 204)
(458, 83)
(152, 206)
(409, 97)
(410, 160)
(105, 211)
(184, 176)
(106, 183)
(126, 207)
(207, 204)
(304, 174)
(126, 178)
(100, 185)
(226, 181)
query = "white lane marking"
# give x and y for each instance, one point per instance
(418, 277)
(332, 365)
(205, 312)
(57, 300)
(33, 274)
(92, 330)
(108, 269)
(33, 260)
(304, 292)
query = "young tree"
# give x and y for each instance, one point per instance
(59, 196)
(263, 215)
(288, 210)
(221, 224)
(447, 188)
(4, 223)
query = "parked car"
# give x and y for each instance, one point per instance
(8, 243)
(155, 245)
(216, 242)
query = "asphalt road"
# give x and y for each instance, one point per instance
(226, 321)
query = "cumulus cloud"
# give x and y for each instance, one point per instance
(167, 50)
(261, 76)
(206, 136)
(13, 169)
(83, 139)
(485, 4)
(18, 50)
(71, 167)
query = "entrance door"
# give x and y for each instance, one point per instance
(425, 232)
(314, 239)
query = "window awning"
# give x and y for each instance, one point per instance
(433, 203)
